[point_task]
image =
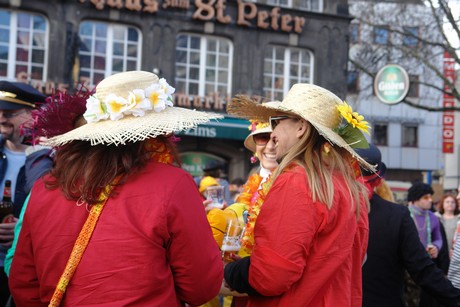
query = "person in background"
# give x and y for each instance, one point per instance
(394, 247)
(427, 224)
(248, 204)
(236, 187)
(115, 221)
(213, 169)
(449, 215)
(17, 100)
(454, 268)
(61, 113)
(310, 236)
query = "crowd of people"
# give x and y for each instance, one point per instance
(105, 215)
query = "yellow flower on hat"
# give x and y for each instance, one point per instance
(256, 125)
(353, 118)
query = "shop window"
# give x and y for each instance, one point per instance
(411, 38)
(23, 45)
(381, 35)
(354, 33)
(203, 65)
(409, 137)
(380, 134)
(106, 49)
(353, 82)
(283, 67)
(414, 86)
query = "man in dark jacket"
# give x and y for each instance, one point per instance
(17, 100)
(394, 246)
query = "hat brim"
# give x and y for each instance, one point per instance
(245, 107)
(134, 129)
(249, 141)
(7, 105)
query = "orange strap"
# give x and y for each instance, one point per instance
(80, 246)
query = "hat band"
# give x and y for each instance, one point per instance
(5, 96)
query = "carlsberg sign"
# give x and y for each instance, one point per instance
(391, 84)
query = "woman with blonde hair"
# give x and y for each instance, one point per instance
(311, 233)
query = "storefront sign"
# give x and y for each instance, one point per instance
(448, 117)
(248, 13)
(194, 162)
(391, 84)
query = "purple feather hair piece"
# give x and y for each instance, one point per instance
(59, 114)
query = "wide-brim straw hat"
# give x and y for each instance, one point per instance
(313, 103)
(249, 141)
(132, 128)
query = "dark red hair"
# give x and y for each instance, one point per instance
(82, 171)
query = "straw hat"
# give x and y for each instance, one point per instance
(130, 107)
(313, 103)
(258, 127)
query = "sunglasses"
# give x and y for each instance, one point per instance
(261, 139)
(275, 120)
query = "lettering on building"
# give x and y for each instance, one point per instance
(248, 13)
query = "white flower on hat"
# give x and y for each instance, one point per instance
(168, 90)
(95, 111)
(138, 103)
(157, 96)
(116, 106)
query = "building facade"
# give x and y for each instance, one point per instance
(209, 50)
(389, 33)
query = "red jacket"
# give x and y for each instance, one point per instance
(152, 246)
(306, 254)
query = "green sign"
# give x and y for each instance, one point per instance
(226, 128)
(194, 162)
(391, 84)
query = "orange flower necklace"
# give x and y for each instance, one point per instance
(252, 197)
(159, 153)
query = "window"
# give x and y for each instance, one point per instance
(354, 33)
(413, 86)
(352, 82)
(381, 35)
(23, 45)
(411, 38)
(283, 67)
(203, 65)
(380, 134)
(308, 5)
(409, 137)
(106, 49)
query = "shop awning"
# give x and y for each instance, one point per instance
(226, 128)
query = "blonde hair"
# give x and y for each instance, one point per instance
(321, 167)
(384, 191)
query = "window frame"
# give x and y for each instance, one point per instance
(270, 92)
(203, 65)
(404, 128)
(375, 35)
(13, 46)
(356, 90)
(414, 80)
(374, 131)
(406, 37)
(109, 55)
(357, 40)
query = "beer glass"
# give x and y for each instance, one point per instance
(216, 195)
(232, 240)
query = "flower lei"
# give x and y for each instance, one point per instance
(158, 151)
(253, 198)
(352, 130)
(157, 96)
